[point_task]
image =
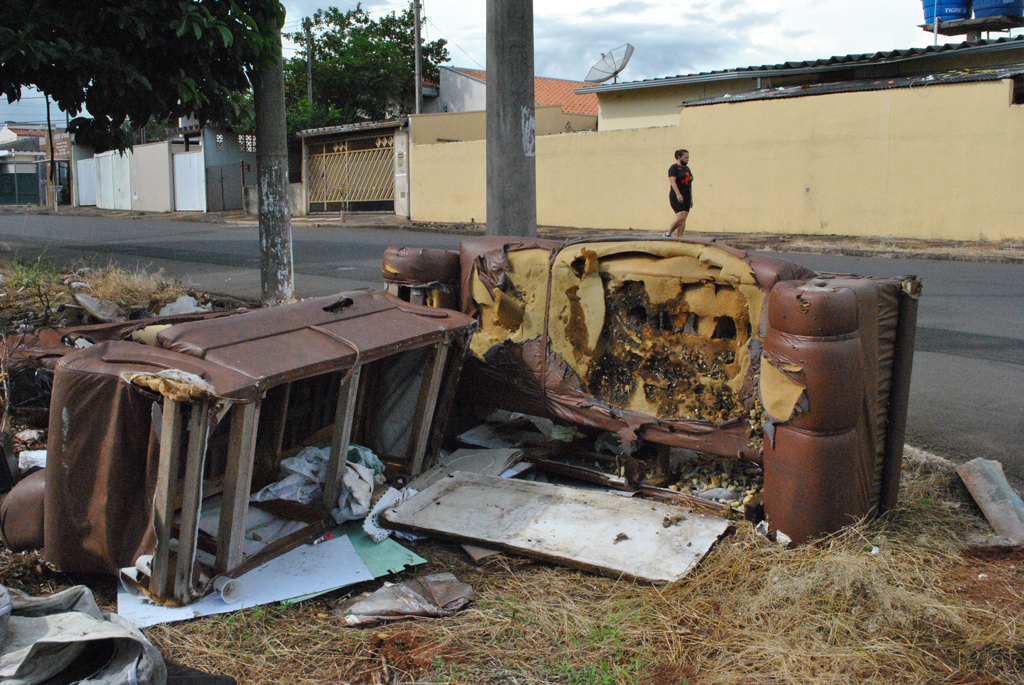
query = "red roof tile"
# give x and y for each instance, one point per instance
(554, 91)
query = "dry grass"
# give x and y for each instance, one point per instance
(38, 293)
(753, 612)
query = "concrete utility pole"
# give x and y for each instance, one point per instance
(418, 58)
(307, 25)
(277, 277)
(511, 144)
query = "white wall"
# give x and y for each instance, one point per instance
(458, 92)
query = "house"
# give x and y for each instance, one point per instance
(19, 176)
(656, 102)
(368, 166)
(201, 168)
(920, 143)
(465, 90)
(12, 131)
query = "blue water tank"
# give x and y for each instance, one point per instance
(948, 10)
(996, 8)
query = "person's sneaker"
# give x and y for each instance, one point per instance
(668, 235)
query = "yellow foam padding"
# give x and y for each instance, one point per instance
(176, 390)
(147, 335)
(390, 269)
(507, 312)
(779, 392)
(526, 285)
(664, 267)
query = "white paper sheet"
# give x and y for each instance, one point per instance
(305, 570)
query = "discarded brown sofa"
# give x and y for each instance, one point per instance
(691, 343)
(135, 445)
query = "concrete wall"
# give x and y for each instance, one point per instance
(426, 129)
(152, 178)
(932, 162)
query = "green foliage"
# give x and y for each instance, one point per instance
(603, 673)
(363, 68)
(133, 60)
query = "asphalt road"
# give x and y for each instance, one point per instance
(967, 393)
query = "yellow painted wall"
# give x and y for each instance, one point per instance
(930, 162)
(934, 162)
(463, 126)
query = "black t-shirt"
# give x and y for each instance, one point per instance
(684, 178)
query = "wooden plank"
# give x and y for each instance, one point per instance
(237, 480)
(163, 499)
(192, 498)
(428, 403)
(416, 296)
(344, 416)
(601, 532)
(282, 419)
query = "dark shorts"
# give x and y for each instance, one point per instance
(678, 206)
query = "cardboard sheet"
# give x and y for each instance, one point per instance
(303, 571)
(611, 535)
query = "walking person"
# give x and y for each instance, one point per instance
(680, 194)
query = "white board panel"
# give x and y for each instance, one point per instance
(611, 535)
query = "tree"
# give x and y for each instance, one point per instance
(363, 68)
(133, 60)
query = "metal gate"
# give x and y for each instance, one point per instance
(355, 170)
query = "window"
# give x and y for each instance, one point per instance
(1017, 97)
(247, 143)
(220, 141)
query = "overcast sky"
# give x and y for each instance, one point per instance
(670, 36)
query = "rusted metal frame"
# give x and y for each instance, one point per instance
(344, 416)
(237, 480)
(192, 490)
(163, 498)
(432, 377)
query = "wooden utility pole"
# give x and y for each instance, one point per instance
(308, 26)
(511, 144)
(277, 276)
(418, 57)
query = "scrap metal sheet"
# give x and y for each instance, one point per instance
(605, 533)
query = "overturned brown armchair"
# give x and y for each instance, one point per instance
(691, 343)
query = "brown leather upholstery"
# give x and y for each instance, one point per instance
(21, 513)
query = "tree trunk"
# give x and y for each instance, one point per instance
(277, 277)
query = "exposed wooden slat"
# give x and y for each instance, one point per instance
(192, 497)
(163, 499)
(237, 479)
(416, 296)
(428, 402)
(282, 420)
(344, 416)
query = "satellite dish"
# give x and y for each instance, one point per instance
(611, 65)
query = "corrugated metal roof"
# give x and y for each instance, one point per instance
(825, 64)
(551, 91)
(857, 86)
(348, 128)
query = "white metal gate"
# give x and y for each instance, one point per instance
(353, 170)
(85, 177)
(113, 181)
(189, 182)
